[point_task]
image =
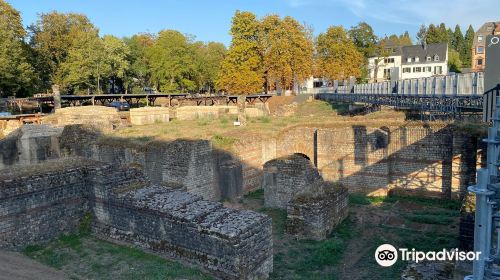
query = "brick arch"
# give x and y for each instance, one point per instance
(298, 140)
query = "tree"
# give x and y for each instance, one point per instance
(454, 62)
(82, 69)
(364, 39)
(337, 56)
(208, 60)
(422, 34)
(116, 65)
(241, 71)
(466, 53)
(171, 59)
(405, 39)
(139, 71)
(436, 34)
(458, 40)
(287, 50)
(16, 73)
(63, 43)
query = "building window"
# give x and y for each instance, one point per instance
(407, 70)
(438, 70)
(480, 50)
(389, 60)
(417, 59)
(436, 57)
(417, 69)
(408, 59)
(479, 38)
(428, 69)
(480, 62)
(387, 73)
(428, 59)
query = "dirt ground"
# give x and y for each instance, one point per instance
(14, 266)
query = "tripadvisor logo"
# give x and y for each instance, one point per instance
(387, 255)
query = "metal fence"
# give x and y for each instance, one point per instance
(470, 84)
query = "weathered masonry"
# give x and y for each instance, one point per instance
(437, 160)
(43, 201)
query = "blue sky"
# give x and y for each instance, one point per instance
(210, 20)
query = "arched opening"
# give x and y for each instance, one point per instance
(302, 155)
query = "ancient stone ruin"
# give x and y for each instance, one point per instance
(41, 202)
(315, 214)
(314, 207)
(286, 177)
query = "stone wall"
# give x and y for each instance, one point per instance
(182, 163)
(230, 244)
(105, 118)
(215, 112)
(315, 214)
(29, 144)
(285, 178)
(149, 115)
(41, 202)
(200, 112)
(437, 161)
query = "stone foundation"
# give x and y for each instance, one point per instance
(316, 214)
(41, 202)
(105, 118)
(29, 144)
(285, 178)
(149, 115)
(201, 112)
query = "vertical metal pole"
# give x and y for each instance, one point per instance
(482, 223)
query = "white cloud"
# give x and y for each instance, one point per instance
(416, 12)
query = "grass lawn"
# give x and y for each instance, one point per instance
(348, 253)
(85, 257)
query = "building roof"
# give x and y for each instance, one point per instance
(422, 52)
(489, 28)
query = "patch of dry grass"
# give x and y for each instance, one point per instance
(308, 113)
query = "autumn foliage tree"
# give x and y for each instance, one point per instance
(287, 50)
(241, 71)
(336, 55)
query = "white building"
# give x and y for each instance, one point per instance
(407, 62)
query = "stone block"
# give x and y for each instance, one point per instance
(286, 177)
(149, 115)
(315, 214)
(200, 112)
(106, 118)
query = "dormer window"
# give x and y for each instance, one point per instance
(417, 59)
(429, 59)
(479, 38)
(436, 57)
(408, 59)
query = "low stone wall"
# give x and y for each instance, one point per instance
(315, 215)
(215, 112)
(285, 178)
(46, 200)
(149, 115)
(230, 244)
(200, 112)
(41, 202)
(29, 144)
(106, 118)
